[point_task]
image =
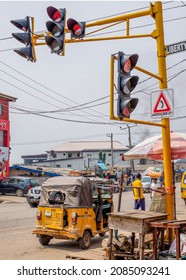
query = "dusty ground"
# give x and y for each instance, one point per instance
(17, 220)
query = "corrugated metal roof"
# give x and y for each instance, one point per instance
(80, 146)
(33, 170)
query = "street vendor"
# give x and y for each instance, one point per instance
(154, 186)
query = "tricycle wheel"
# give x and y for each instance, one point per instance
(85, 241)
(102, 234)
(44, 239)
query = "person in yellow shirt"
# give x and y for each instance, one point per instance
(139, 199)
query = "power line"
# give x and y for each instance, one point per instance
(78, 107)
(40, 112)
(44, 86)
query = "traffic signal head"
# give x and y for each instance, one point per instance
(26, 53)
(24, 38)
(22, 24)
(56, 28)
(77, 29)
(126, 84)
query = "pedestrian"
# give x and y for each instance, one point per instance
(154, 187)
(139, 199)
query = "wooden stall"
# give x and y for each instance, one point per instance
(134, 221)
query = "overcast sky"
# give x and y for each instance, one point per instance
(83, 76)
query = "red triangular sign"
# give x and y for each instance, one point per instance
(162, 105)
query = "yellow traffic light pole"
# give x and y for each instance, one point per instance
(155, 11)
(158, 34)
(168, 179)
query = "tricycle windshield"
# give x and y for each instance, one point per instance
(105, 192)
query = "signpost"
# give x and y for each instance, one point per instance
(162, 103)
(176, 47)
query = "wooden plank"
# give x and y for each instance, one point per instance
(138, 223)
(177, 224)
(126, 224)
(90, 254)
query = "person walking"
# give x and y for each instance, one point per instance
(139, 199)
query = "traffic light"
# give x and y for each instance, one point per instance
(26, 38)
(126, 84)
(77, 29)
(56, 27)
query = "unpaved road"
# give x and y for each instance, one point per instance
(17, 220)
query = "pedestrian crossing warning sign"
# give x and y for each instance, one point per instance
(162, 103)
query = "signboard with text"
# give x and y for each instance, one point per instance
(176, 47)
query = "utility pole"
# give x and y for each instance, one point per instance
(111, 142)
(130, 145)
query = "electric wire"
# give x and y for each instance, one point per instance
(90, 102)
(41, 112)
(47, 88)
(101, 104)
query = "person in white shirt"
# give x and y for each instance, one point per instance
(154, 187)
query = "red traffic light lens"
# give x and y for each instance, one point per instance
(77, 29)
(22, 24)
(127, 66)
(126, 112)
(57, 16)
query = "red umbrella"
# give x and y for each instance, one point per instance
(152, 148)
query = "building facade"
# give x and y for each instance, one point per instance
(4, 134)
(82, 155)
(34, 159)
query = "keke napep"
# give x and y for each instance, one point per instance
(73, 208)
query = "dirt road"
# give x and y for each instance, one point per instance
(17, 220)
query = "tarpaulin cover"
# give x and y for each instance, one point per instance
(152, 148)
(77, 190)
(102, 166)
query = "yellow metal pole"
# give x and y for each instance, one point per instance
(137, 14)
(158, 14)
(85, 40)
(33, 39)
(138, 121)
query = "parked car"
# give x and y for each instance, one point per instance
(33, 196)
(17, 185)
(146, 183)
